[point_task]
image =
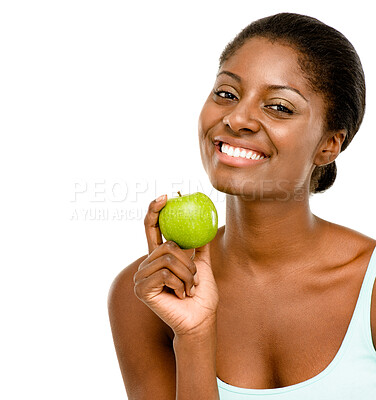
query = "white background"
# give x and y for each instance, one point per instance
(99, 109)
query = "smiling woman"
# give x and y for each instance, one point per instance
(261, 88)
(330, 64)
(280, 304)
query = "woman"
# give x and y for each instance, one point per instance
(279, 303)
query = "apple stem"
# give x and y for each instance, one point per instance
(179, 194)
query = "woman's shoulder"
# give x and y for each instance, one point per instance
(347, 244)
(351, 237)
(124, 279)
(122, 287)
(123, 304)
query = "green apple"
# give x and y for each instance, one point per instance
(190, 220)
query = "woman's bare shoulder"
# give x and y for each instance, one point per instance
(123, 283)
(348, 238)
(346, 245)
(123, 300)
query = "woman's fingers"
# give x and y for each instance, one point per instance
(171, 247)
(153, 233)
(171, 263)
(153, 285)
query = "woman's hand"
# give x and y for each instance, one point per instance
(181, 291)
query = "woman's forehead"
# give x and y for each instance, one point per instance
(259, 51)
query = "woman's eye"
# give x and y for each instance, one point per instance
(280, 108)
(225, 95)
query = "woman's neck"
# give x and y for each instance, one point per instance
(268, 234)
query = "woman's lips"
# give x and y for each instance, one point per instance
(236, 158)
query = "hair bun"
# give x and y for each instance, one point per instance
(323, 177)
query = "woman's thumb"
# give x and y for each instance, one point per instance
(202, 253)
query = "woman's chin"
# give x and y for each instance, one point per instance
(231, 188)
(262, 190)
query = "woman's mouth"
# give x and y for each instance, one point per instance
(238, 156)
(240, 152)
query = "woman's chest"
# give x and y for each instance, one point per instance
(279, 336)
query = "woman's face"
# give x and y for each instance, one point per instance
(262, 102)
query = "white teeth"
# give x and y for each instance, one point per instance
(239, 152)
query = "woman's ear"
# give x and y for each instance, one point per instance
(330, 148)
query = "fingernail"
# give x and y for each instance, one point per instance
(192, 290)
(160, 198)
(195, 279)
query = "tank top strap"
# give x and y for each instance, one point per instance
(358, 337)
(359, 331)
(365, 299)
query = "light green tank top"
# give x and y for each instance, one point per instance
(350, 376)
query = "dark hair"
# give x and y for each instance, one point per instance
(331, 66)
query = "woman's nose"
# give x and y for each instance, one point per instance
(242, 118)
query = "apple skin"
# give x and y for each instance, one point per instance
(190, 220)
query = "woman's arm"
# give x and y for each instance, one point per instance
(196, 364)
(163, 311)
(152, 365)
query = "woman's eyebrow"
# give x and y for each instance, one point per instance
(231, 74)
(282, 87)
